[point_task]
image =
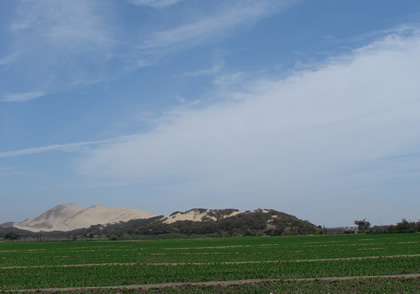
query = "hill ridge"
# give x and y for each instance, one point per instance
(116, 223)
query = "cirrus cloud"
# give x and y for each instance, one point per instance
(154, 3)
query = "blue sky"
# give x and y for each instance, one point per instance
(307, 107)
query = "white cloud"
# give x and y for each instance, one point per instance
(215, 69)
(7, 59)
(154, 3)
(63, 24)
(11, 172)
(70, 147)
(337, 133)
(308, 135)
(21, 97)
(229, 79)
(53, 44)
(57, 45)
(210, 27)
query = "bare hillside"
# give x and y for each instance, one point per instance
(69, 217)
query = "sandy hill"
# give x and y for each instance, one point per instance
(69, 217)
(69, 220)
(206, 222)
(200, 214)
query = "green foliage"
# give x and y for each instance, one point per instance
(402, 227)
(51, 277)
(163, 261)
(11, 236)
(362, 225)
(406, 227)
(257, 223)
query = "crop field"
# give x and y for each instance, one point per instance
(305, 264)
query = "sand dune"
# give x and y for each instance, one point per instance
(68, 217)
(196, 215)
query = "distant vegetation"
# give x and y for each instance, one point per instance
(362, 225)
(11, 236)
(402, 227)
(255, 223)
(252, 223)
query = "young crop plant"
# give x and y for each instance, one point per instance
(40, 265)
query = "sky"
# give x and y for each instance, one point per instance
(303, 106)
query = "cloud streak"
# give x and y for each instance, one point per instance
(22, 97)
(154, 3)
(215, 69)
(70, 147)
(208, 28)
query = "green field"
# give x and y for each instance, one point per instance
(249, 264)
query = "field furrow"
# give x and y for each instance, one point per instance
(220, 284)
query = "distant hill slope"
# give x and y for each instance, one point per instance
(200, 221)
(69, 217)
(72, 221)
(7, 225)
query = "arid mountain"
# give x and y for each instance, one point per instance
(69, 217)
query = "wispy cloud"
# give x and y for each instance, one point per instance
(8, 59)
(215, 69)
(154, 3)
(229, 79)
(11, 172)
(206, 29)
(57, 45)
(52, 45)
(69, 147)
(21, 97)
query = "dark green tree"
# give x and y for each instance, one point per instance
(11, 236)
(362, 225)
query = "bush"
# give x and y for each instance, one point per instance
(11, 236)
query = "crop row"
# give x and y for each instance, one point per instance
(278, 254)
(33, 254)
(51, 277)
(215, 242)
